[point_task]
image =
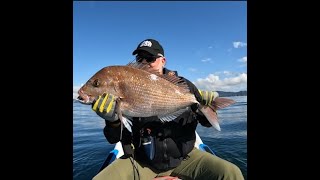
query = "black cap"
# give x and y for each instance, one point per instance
(150, 45)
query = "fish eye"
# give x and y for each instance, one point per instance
(96, 83)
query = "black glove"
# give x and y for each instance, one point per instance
(105, 106)
(194, 107)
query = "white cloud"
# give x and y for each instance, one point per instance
(243, 59)
(192, 69)
(227, 73)
(233, 84)
(239, 44)
(206, 60)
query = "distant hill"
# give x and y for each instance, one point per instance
(227, 94)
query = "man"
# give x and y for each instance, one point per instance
(155, 149)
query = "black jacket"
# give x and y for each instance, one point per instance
(172, 141)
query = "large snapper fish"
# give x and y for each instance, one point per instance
(141, 93)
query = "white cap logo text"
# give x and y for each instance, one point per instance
(146, 43)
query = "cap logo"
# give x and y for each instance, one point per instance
(146, 43)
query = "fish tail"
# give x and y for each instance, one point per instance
(211, 115)
(220, 103)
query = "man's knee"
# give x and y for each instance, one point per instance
(221, 169)
(115, 170)
(230, 171)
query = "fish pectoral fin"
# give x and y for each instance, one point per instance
(123, 120)
(127, 123)
(172, 116)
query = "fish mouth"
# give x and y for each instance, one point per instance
(86, 100)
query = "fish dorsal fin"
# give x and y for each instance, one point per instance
(172, 116)
(144, 67)
(176, 80)
(137, 65)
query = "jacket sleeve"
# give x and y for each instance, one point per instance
(111, 133)
(198, 115)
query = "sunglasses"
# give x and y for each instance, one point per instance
(148, 57)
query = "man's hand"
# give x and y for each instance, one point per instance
(208, 97)
(105, 106)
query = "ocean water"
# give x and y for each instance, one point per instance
(90, 148)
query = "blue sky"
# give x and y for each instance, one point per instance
(206, 42)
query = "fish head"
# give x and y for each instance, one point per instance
(101, 82)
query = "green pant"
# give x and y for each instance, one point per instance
(199, 165)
